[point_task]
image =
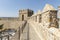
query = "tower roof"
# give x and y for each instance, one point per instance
(48, 7)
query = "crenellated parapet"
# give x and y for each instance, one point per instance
(47, 17)
(45, 24)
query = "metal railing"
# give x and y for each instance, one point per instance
(6, 37)
(7, 34)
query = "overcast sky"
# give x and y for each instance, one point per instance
(10, 8)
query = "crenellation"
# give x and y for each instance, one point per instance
(47, 17)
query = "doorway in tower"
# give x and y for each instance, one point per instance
(22, 17)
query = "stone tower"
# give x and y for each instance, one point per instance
(25, 14)
(49, 16)
(53, 18)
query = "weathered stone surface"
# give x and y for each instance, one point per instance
(48, 7)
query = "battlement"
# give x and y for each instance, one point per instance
(25, 10)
